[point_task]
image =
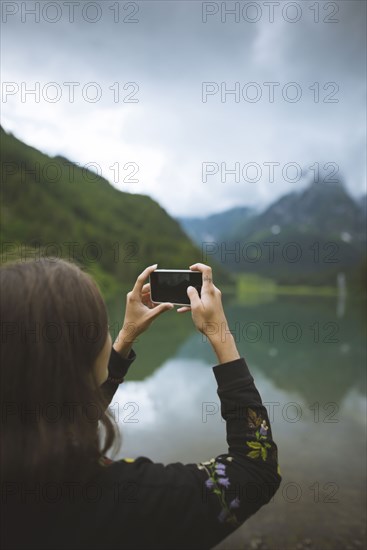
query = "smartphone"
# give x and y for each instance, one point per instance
(170, 285)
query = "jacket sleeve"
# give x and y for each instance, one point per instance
(117, 369)
(198, 505)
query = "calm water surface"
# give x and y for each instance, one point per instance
(308, 360)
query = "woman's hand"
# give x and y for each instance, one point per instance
(139, 314)
(209, 317)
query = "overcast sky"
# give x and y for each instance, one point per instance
(161, 129)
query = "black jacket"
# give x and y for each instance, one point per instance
(139, 504)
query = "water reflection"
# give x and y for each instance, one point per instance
(303, 345)
(308, 364)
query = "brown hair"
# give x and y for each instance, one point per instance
(54, 323)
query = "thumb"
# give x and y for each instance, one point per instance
(193, 295)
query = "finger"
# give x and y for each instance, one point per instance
(194, 296)
(207, 274)
(146, 288)
(183, 309)
(139, 284)
(147, 301)
(161, 308)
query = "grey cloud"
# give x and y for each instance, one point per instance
(170, 52)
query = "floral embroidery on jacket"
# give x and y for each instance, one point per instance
(218, 482)
(259, 448)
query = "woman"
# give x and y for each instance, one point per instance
(59, 372)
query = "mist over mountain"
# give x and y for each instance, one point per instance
(216, 226)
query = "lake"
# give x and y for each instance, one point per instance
(307, 356)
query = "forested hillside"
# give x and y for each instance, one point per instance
(59, 209)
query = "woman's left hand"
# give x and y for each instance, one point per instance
(139, 314)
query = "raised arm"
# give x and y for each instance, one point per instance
(118, 366)
(140, 312)
(197, 505)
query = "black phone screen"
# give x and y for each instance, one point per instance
(171, 286)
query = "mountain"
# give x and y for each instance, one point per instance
(216, 226)
(326, 228)
(324, 208)
(50, 206)
(305, 237)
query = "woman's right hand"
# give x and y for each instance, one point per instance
(208, 315)
(207, 310)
